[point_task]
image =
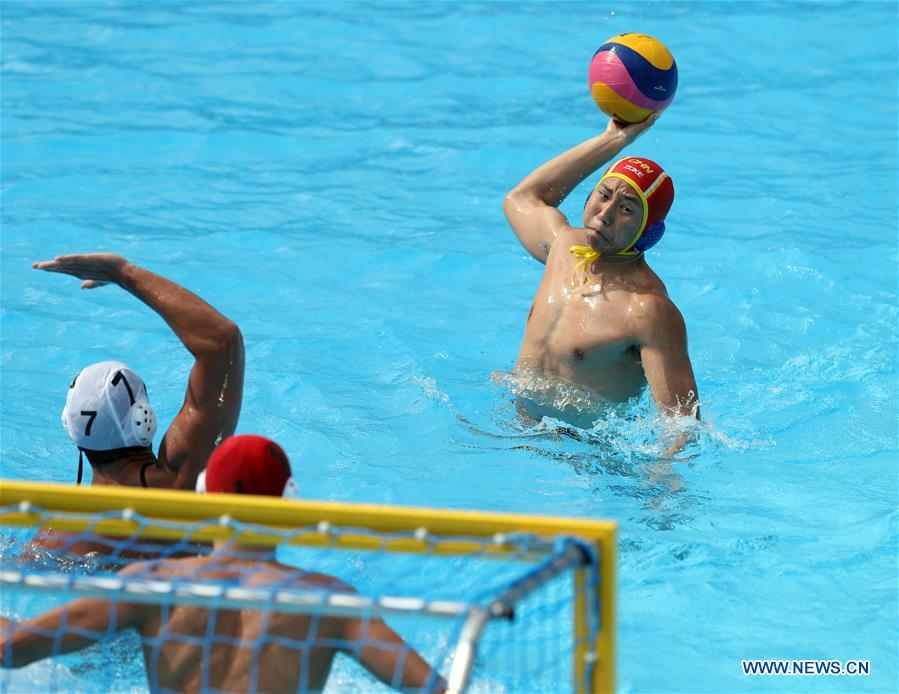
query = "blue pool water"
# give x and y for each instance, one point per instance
(330, 176)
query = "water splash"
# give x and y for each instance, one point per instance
(538, 403)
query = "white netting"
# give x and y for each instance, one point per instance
(235, 620)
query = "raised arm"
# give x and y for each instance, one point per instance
(384, 651)
(215, 387)
(531, 206)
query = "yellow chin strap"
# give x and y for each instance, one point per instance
(587, 256)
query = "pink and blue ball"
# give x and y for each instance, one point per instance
(632, 76)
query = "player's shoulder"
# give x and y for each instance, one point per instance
(654, 311)
(656, 303)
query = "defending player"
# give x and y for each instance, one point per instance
(107, 413)
(190, 649)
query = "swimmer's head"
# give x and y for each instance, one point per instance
(107, 414)
(627, 209)
(248, 464)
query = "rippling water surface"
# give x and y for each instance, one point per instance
(330, 176)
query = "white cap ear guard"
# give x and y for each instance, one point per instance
(107, 409)
(143, 423)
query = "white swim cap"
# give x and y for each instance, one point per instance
(107, 408)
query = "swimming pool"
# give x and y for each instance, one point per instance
(330, 176)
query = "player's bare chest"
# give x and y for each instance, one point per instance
(593, 311)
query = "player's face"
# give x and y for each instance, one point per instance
(612, 216)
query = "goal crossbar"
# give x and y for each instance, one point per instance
(164, 514)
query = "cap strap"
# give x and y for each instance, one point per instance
(587, 256)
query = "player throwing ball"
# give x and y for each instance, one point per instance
(602, 320)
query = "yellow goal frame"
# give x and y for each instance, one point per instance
(17, 499)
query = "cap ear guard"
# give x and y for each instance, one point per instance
(140, 430)
(142, 423)
(651, 236)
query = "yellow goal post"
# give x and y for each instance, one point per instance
(173, 515)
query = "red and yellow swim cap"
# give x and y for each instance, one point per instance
(656, 190)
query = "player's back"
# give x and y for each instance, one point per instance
(238, 650)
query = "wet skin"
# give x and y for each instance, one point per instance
(618, 331)
(586, 330)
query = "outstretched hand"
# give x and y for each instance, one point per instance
(630, 131)
(96, 269)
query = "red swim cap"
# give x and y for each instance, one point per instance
(248, 464)
(656, 190)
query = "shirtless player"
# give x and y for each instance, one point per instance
(602, 321)
(188, 648)
(107, 414)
